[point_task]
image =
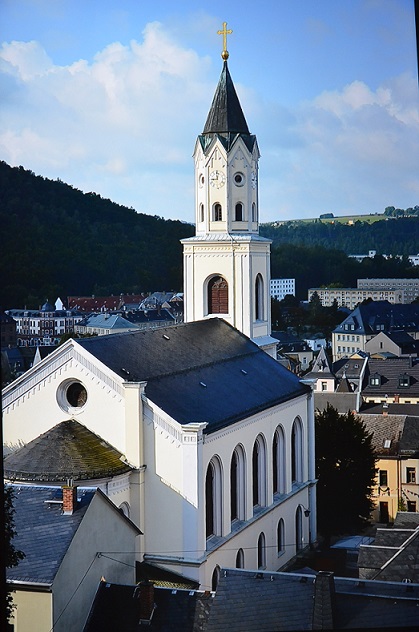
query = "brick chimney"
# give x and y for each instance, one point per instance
(69, 499)
(324, 601)
(146, 598)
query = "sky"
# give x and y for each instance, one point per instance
(110, 95)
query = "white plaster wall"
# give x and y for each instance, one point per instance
(102, 537)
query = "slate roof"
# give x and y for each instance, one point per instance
(67, 451)
(385, 428)
(321, 366)
(116, 607)
(390, 371)
(204, 371)
(394, 555)
(43, 533)
(106, 321)
(376, 316)
(225, 115)
(248, 601)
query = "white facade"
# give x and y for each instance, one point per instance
(280, 288)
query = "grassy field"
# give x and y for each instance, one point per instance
(342, 219)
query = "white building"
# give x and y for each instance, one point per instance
(219, 436)
(280, 288)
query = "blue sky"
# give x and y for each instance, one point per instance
(109, 96)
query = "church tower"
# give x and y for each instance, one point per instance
(227, 263)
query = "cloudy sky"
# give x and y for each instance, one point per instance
(109, 96)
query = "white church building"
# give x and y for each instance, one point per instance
(215, 437)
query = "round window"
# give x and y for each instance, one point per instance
(239, 179)
(71, 396)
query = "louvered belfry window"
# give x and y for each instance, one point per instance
(218, 296)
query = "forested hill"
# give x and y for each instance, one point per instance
(387, 236)
(57, 241)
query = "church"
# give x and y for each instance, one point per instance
(194, 431)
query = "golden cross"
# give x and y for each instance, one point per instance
(224, 33)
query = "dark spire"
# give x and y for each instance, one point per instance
(226, 115)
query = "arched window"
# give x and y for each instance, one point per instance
(280, 537)
(215, 578)
(254, 218)
(239, 212)
(201, 212)
(217, 295)
(125, 509)
(298, 529)
(213, 498)
(237, 485)
(297, 452)
(259, 472)
(259, 297)
(240, 559)
(261, 551)
(217, 212)
(278, 461)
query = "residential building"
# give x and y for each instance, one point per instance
(280, 288)
(408, 288)
(294, 348)
(104, 324)
(351, 297)
(44, 326)
(398, 344)
(366, 321)
(66, 554)
(217, 434)
(391, 381)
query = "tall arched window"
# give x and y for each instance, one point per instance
(239, 212)
(237, 484)
(259, 315)
(240, 559)
(297, 452)
(280, 537)
(201, 212)
(215, 578)
(213, 498)
(259, 472)
(217, 212)
(254, 218)
(278, 461)
(298, 529)
(261, 551)
(217, 295)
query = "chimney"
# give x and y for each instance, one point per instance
(69, 499)
(147, 605)
(324, 599)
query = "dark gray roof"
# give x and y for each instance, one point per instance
(376, 316)
(204, 371)
(390, 371)
(225, 115)
(43, 533)
(248, 601)
(67, 451)
(384, 428)
(117, 607)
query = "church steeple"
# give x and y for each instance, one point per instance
(227, 263)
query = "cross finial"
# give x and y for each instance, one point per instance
(224, 33)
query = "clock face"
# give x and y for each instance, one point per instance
(254, 179)
(217, 179)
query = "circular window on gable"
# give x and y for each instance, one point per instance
(239, 179)
(71, 396)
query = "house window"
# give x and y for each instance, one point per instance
(280, 540)
(259, 298)
(240, 559)
(324, 386)
(411, 505)
(410, 475)
(259, 473)
(383, 478)
(239, 212)
(217, 295)
(237, 484)
(261, 551)
(217, 214)
(213, 498)
(278, 461)
(375, 380)
(297, 452)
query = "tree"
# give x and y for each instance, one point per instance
(345, 464)
(12, 556)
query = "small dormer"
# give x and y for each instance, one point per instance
(404, 380)
(375, 379)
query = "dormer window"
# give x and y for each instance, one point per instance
(404, 380)
(375, 379)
